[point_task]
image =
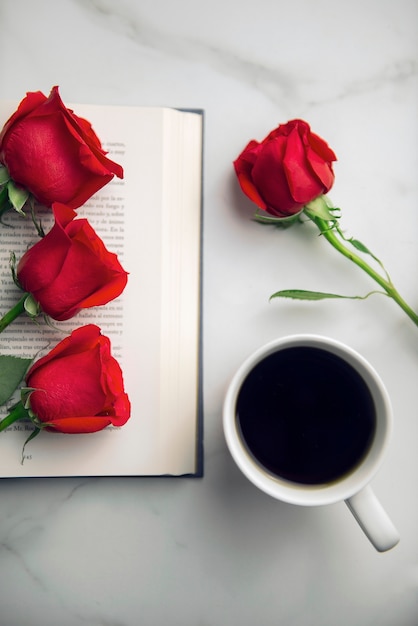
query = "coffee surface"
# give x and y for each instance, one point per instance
(306, 415)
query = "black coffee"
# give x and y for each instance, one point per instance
(306, 415)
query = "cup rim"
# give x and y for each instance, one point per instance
(285, 490)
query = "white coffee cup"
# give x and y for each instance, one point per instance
(353, 487)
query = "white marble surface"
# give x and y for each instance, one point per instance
(215, 551)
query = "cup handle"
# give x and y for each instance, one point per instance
(373, 519)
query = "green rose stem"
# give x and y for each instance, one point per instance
(18, 412)
(14, 312)
(323, 215)
(328, 230)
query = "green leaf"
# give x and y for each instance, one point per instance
(17, 196)
(301, 294)
(4, 175)
(25, 394)
(12, 371)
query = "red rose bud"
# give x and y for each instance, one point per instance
(70, 268)
(53, 153)
(288, 169)
(78, 385)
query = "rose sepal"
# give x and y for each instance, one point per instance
(17, 196)
(4, 194)
(284, 222)
(25, 394)
(13, 196)
(20, 412)
(321, 207)
(31, 306)
(4, 204)
(27, 304)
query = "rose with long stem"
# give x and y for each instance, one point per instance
(287, 175)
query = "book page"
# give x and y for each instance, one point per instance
(151, 219)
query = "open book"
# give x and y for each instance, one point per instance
(152, 220)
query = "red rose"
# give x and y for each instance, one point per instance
(79, 385)
(288, 169)
(53, 153)
(70, 268)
